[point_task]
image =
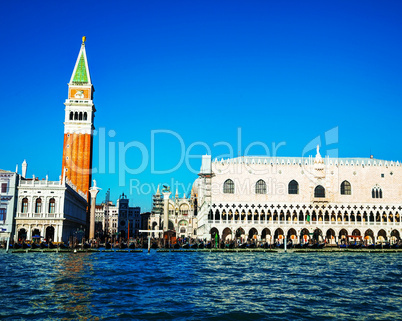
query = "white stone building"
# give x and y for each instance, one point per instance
(52, 210)
(8, 202)
(269, 198)
(181, 212)
(118, 220)
(106, 218)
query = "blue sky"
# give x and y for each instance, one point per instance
(281, 71)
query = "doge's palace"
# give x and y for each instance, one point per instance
(270, 198)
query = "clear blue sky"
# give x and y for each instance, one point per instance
(282, 71)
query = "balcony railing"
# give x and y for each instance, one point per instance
(276, 222)
(39, 215)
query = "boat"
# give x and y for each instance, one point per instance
(35, 246)
(15, 246)
(25, 245)
(44, 245)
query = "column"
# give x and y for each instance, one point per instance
(60, 233)
(30, 206)
(166, 194)
(93, 191)
(56, 233)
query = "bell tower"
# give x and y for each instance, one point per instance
(78, 125)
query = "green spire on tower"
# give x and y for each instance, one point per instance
(81, 76)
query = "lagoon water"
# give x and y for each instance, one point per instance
(201, 286)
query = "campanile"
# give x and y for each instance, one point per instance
(79, 125)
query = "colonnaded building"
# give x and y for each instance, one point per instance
(269, 198)
(53, 210)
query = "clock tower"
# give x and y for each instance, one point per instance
(78, 125)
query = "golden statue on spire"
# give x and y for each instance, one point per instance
(84, 39)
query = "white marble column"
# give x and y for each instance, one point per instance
(93, 191)
(166, 195)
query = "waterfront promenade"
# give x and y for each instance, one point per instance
(237, 250)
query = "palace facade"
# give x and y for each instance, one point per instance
(270, 198)
(179, 212)
(51, 210)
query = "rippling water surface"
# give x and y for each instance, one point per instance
(201, 286)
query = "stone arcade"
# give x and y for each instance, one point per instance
(268, 198)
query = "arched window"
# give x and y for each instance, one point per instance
(319, 191)
(76, 116)
(376, 192)
(71, 115)
(261, 187)
(228, 187)
(346, 188)
(24, 205)
(85, 116)
(52, 206)
(184, 209)
(38, 206)
(293, 187)
(80, 116)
